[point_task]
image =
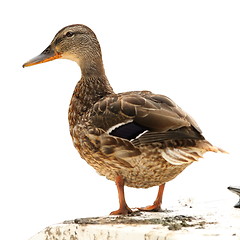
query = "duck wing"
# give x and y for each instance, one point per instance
(143, 117)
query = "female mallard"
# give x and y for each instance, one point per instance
(138, 139)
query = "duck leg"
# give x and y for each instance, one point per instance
(156, 207)
(123, 207)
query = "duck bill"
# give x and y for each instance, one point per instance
(47, 55)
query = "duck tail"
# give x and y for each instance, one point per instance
(207, 146)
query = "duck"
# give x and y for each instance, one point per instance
(137, 139)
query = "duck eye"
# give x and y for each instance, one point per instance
(69, 34)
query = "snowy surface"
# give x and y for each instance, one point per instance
(214, 222)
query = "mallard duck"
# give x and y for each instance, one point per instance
(138, 138)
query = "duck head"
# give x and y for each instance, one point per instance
(75, 42)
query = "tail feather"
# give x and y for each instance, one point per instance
(180, 156)
(187, 155)
(207, 146)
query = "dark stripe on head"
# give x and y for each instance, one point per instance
(59, 39)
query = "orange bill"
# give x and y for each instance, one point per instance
(47, 55)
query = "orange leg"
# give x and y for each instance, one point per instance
(123, 207)
(156, 207)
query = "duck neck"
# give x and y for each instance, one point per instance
(92, 86)
(92, 66)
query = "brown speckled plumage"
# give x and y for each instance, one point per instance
(138, 139)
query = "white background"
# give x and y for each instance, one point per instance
(187, 50)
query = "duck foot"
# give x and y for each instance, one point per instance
(151, 208)
(156, 207)
(123, 207)
(122, 211)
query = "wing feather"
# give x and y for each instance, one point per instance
(130, 114)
